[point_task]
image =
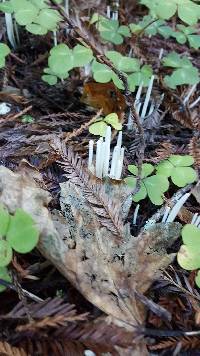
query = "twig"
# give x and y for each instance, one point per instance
(78, 131)
(16, 116)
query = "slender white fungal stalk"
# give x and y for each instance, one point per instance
(108, 11)
(99, 158)
(130, 121)
(195, 216)
(151, 109)
(194, 103)
(114, 161)
(138, 108)
(10, 30)
(138, 94)
(130, 52)
(91, 150)
(87, 69)
(137, 102)
(190, 92)
(135, 215)
(197, 222)
(119, 165)
(55, 41)
(175, 210)
(67, 7)
(161, 54)
(16, 31)
(119, 139)
(107, 151)
(103, 157)
(147, 98)
(166, 213)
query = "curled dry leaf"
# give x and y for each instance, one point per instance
(105, 269)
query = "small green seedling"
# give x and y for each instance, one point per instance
(36, 15)
(62, 59)
(188, 256)
(4, 51)
(111, 31)
(151, 27)
(188, 11)
(185, 72)
(17, 232)
(185, 34)
(99, 127)
(178, 168)
(152, 186)
(27, 119)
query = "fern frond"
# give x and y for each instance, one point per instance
(194, 150)
(94, 190)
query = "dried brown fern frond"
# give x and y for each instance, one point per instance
(7, 350)
(184, 117)
(108, 210)
(54, 308)
(187, 343)
(61, 322)
(194, 150)
(165, 150)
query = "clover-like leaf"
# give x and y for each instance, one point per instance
(81, 55)
(98, 128)
(4, 220)
(4, 50)
(156, 185)
(22, 234)
(36, 29)
(109, 31)
(130, 181)
(191, 236)
(141, 194)
(153, 186)
(165, 168)
(5, 253)
(4, 275)
(142, 76)
(183, 176)
(50, 79)
(27, 15)
(183, 161)
(2, 62)
(177, 167)
(180, 37)
(60, 61)
(197, 279)
(101, 72)
(166, 9)
(124, 30)
(6, 7)
(173, 59)
(125, 64)
(165, 31)
(194, 41)
(182, 76)
(188, 258)
(147, 169)
(118, 82)
(113, 120)
(188, 11)
(49, 18)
